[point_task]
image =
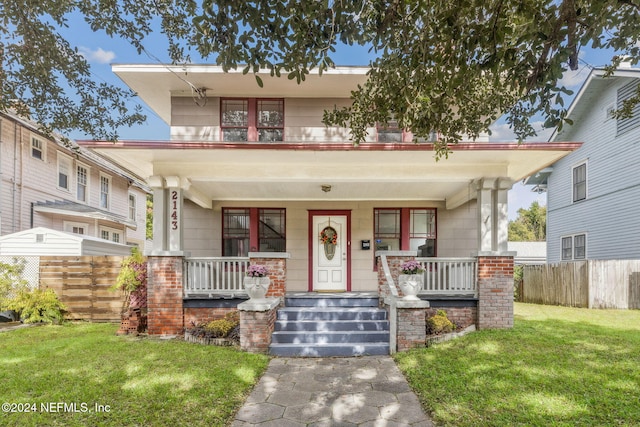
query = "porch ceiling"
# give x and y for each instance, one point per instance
(297, 171)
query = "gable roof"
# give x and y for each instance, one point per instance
(588, 96)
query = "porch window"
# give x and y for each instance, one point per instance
(253, 229)
(389, 132)
(405, 229)
(580, 182)
(252, 119)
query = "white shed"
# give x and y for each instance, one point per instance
(41, 241)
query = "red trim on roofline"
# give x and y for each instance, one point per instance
(329, 146)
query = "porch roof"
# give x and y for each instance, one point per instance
(297, 171)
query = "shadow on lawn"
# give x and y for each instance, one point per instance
(549, 372)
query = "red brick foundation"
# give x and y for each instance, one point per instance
(164, 295)
(460, 316)
(195, 316)
(495, 292)
(412, 330)
(256, 328)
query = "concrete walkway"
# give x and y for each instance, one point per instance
(355, 391)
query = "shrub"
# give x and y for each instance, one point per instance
(132, 279)
(39, 305)
(219, 328)
(439, 324)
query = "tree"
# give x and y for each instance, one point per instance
(453, 67)
(530, 226)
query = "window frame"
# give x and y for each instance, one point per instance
(66, 161)
(68, 227)
(41, 149)
(404, 135)
(107, 203)
(405, 232)
(575, 196)
(253, 127)
(87, 185)
(111, 232)
(254, 229)
(132, 209)
(568, 252)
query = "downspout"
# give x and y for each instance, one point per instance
(31, 216)
(13, 192)
(22, 179)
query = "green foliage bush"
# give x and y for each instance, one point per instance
(39, 305)
(439, 324)
(221, 328)
(11, 282)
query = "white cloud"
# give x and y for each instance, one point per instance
(98, 55)
(573, 79)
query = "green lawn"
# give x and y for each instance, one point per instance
(144, 382)
(558, 366)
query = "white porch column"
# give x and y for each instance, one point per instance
(159, 219)
(168, 196)
(493, 221)
(173, 214)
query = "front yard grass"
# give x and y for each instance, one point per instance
(558, 366)
(144, 382)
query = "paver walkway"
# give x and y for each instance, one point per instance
(356, 391)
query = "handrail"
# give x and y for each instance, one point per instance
(210, 276)
(387, 274)
(450, 276)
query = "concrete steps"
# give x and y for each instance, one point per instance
(329, 325)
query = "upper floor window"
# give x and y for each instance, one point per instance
(579, 182)
(37, 148)
(252, 119)
(64, 171)
(574, 247)
(132, 207)
(105, 191)
(82, 183)
(75, 227)
(251, 229)
(111, 234)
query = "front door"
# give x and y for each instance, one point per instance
(329, 252)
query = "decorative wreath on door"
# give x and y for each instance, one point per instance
(329, 238)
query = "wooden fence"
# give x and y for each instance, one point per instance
(589, 284)
(82, 283)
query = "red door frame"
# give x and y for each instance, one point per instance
(313, 237)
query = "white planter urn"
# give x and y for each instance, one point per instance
(257, 287)
(410, 285)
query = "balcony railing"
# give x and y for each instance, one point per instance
(449, 276)
(209, 277)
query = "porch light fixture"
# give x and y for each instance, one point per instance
(326, 188)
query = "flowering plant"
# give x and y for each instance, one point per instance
(257, 271)
(411, 267)
(329, 235)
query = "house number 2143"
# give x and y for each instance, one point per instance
(174, 210)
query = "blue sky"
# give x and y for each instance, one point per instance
(101, 51)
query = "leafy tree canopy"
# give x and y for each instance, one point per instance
(530, 226)
(448, 66)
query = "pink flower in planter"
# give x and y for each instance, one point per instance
(411, 267)
(257, 271)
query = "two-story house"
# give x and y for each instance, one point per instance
(253, 172)
(594, 193)
(46, 182)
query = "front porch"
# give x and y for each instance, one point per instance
(473, 290)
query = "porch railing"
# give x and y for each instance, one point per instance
(208, 277)
(449, 276)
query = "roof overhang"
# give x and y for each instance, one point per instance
(70, 209)
(146, 79)
(254, 171)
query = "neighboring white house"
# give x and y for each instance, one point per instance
(46, 183)
(593, 198)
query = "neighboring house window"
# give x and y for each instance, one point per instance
(252, 119)
(574, 247)
(132, 207)
(624, 94)
(111, 234)
(64, 171)
(580, 182)
(389, 132)
(82, 183)
(105, 191)
(248, 230)
(37, 149)
(405, 229)
(75, 227)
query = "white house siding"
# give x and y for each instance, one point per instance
(609, 216)
(457, 235)
(26, 180)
